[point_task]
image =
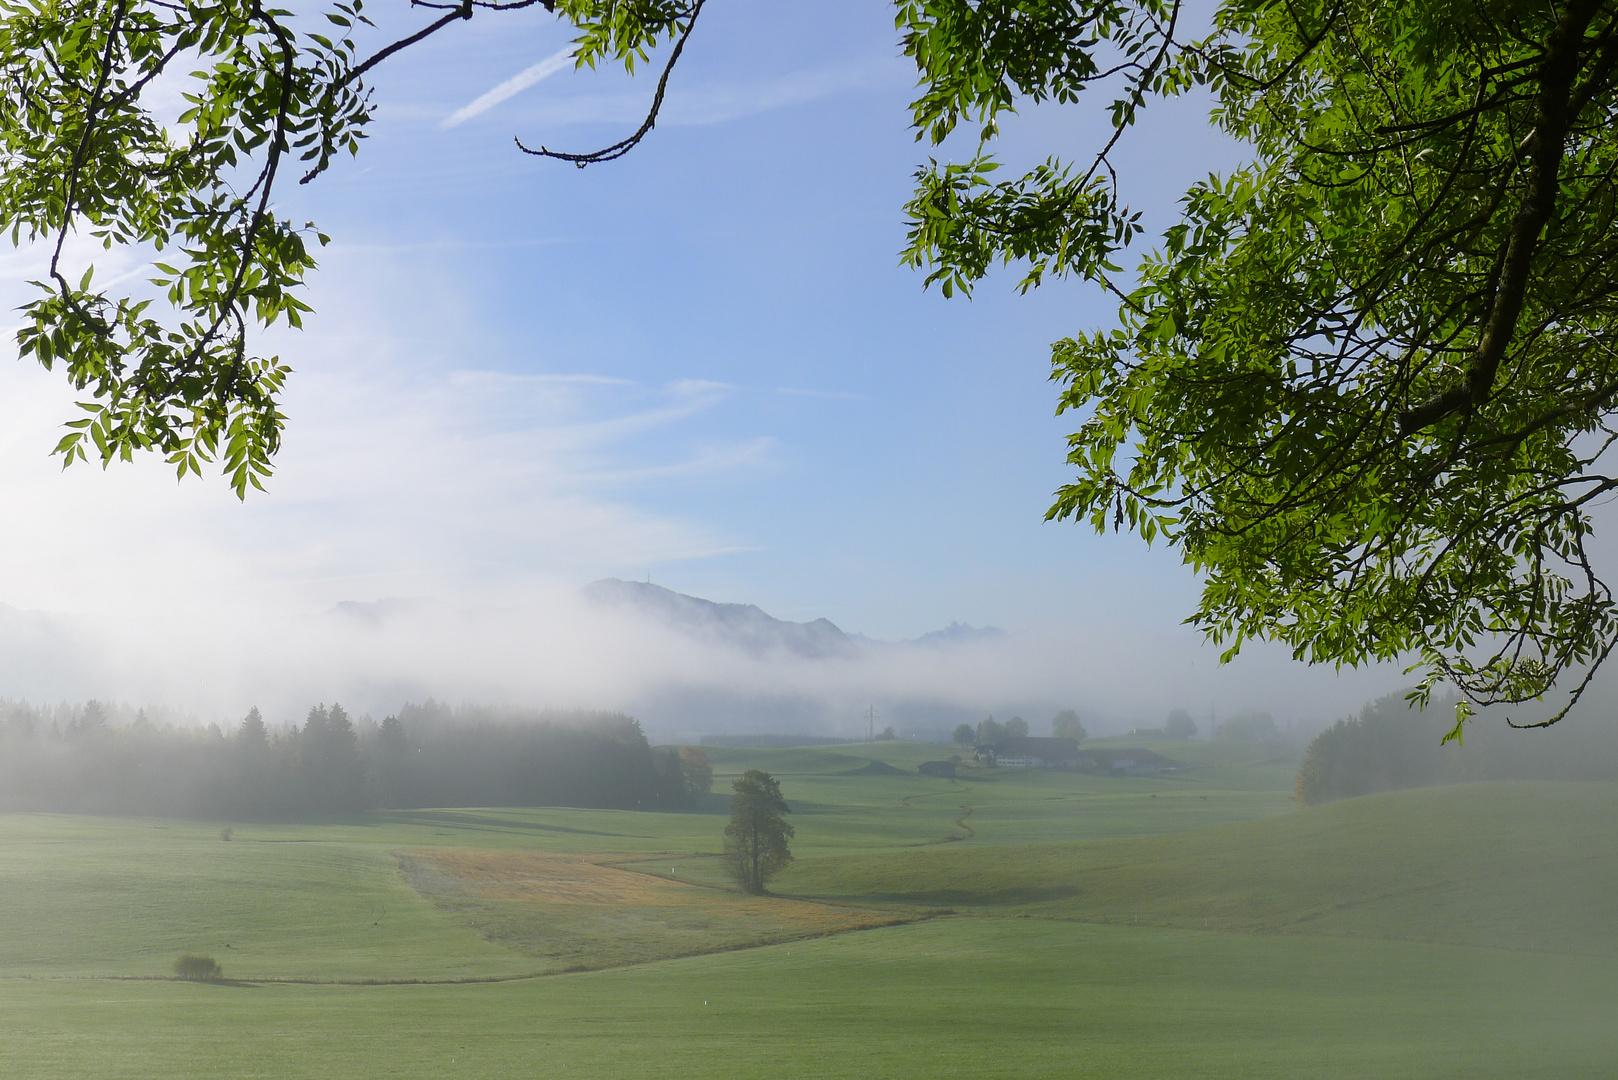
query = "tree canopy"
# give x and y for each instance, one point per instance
(755, 845)
(72, 759)
(1180, 725)
(990, 731)
(84, 152)
(1364, 385)
(1066, 725)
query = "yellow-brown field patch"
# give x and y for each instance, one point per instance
(529, 877)
(580, 912)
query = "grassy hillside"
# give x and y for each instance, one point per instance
(1109, 927)
(1515, 865)
(89, 896)
(842, 806)
(968, 998)
(374, 899)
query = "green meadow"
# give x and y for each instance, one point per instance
(1005, 924)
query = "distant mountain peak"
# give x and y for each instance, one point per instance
(744, 626)
(958, 634)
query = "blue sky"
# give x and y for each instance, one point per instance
(859, 448)
(701, 363)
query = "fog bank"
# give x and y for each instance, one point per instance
(555, 647)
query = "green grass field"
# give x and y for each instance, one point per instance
(1194, 926)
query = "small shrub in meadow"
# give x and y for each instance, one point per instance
(197, 968)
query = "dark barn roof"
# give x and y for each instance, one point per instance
(1048, 749)
(1126, 759)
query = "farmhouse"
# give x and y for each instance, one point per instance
(944, 769)
(1029, 752)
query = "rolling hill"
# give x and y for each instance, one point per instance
(1504, 865)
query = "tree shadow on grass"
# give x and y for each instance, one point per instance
(952, 898)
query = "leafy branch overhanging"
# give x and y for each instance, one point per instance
(1365, 384)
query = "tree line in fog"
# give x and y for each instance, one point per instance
(75, 759)
(1390, 747)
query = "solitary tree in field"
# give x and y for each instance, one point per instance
(197, 968)
(756, 838)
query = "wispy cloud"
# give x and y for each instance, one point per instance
(505, 380)
(708, 460)
(719, 103)
(443, 245)
(716, 103)
(414, 464)
(512, 87)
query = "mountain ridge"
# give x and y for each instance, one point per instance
(750, 627)
(744, 625)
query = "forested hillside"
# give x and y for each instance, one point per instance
(74, 759)
(1390, 747)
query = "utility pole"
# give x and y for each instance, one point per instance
(870, 724)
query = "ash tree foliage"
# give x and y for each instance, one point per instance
(271, 97)
(1364, 385)
(755, 844)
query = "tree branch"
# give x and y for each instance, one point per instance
(77, 167)
(459, 11)
(624, 146)
(1557, 74)
(278, 145)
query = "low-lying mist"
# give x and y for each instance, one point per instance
(556, 648)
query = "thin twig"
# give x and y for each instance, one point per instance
(623, 146)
